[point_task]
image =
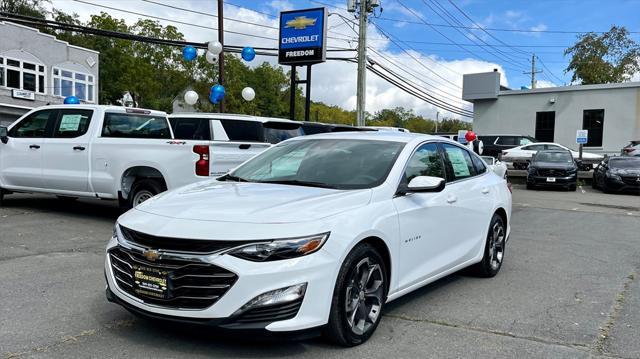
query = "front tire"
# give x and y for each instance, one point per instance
(493, 250)
(358, 297)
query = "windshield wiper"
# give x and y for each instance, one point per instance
(301, 183)
(229, 177)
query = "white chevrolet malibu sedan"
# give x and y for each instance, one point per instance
(317, 233)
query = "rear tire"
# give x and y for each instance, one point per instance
(594, 183)
(494, 250)
(143, 190)
(358, 297)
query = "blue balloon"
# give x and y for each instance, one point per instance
(189, 53)
(216, 94)
(248, 53)
(71, 100)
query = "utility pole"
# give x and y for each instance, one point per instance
(362, 62)
(437, 119)
(221, 40)
(533, 71)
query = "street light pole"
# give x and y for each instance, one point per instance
(362, 58)
(221, 40)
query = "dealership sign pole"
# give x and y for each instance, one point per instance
(302, 42)
(582, 137)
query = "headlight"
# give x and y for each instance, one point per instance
(614, 176)
(117, 232)
(278, 249)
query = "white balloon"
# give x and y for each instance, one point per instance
(211, 58)
(215, 47)
(248, 93)
(191, 97)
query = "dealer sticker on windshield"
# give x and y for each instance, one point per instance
(551, 179)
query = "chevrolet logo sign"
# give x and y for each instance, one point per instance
(151, 254)
(300, 23)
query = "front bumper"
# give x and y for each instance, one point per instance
(557, 182)
(621, 186)
(253, 279)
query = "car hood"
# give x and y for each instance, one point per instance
(626, 171)
(553, 165)
(244, 202)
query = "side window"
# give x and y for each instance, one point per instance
(34, 126)
(72, 123)
(480, 165)
(534, 148)
(125, 125)
(507, 141)
(523, 141)
(191, 129)
(238, 130)
(459, 162)
(553, 147)
(426, 161)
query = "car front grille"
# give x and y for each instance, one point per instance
(631, 181)
(179, 244)
(552, 172)
(190, 284)
(270, 313)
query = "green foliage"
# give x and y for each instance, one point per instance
(156, 75)
(610, 57)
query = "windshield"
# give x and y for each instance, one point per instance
(625, 163)
(328, 163)
(559, 157)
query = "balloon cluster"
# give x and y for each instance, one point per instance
(217, 92)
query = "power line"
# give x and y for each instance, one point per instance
(549, 71)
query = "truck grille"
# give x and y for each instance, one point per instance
(179, 244)
(552, 173)
(190, 285)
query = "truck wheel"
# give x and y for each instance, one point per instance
(143, 190)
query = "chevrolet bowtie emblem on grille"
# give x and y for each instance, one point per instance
(151, 254)
(300, 23)
(638, 179)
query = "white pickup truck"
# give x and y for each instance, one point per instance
(96, 151)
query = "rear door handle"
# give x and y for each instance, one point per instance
(34, 146)
(485, 190)
(79, 148)
(452, 199)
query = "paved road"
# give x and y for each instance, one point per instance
(569, 288)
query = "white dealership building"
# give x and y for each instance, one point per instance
(610, 112)
(37, 69)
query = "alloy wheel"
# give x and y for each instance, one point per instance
(364, 296)
(496, 245)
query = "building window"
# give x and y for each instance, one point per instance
(22, 75)
(545, 126)
(70, 83)
(593, 121)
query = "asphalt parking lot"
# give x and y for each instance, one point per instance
(569, 288)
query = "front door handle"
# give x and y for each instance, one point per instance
(452, 199)
(79, 148)
(34, 146)
(485, 190)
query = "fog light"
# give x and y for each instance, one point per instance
(278, 296)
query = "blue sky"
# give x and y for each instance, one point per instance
(400, 40)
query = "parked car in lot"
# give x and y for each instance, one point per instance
(553, 168)
(232, 138)
(317, 232)
(94, 151)
(495, 144)
(632, 149)
(526, 152)
(388, 128)
(618, 174)
(497, 166)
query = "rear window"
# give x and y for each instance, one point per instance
(125, 125)
(250, 131)
(191, 129)
(312, 129)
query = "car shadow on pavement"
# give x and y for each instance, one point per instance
(88, 208)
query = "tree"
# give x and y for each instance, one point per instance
(606, 58)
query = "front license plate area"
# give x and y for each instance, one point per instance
(151, 282)
(551, 179)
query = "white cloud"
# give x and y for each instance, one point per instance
(545, 84)
(334, 82)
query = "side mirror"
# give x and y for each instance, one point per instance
(4, 135)
(426, 184)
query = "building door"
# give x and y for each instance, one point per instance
(545, 125)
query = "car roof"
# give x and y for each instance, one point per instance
(229, 116)
(394, 136)
(106, 108)
(542, 143)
